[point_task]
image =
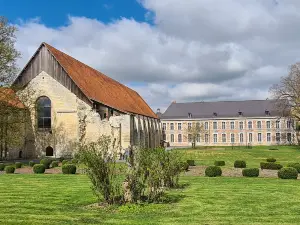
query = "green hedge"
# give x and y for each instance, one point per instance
(270, 166)
(18, 165)
(69, 169)
(219, 163)
(240, 164)
(39, 168)
(271, 160)
(250, 172)
(288, 173)
(294, 165)
(2, 166)
(10, 169)
(31, 163)
(54, 164)
(191, 162)
(213, 171)
(46, 162)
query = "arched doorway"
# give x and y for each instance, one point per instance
(49, 151)
(20, 154)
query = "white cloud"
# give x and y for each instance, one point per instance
(196, 50)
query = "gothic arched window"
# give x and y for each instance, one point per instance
(44, 112)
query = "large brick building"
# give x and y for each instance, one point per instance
(65, 91)
(253, 122)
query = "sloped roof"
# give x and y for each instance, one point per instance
(101, 88)
(9, 97)
(223, 109)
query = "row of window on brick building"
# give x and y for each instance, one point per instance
(278, 138)
(289, 124)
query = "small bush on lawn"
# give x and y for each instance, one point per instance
(274, 149)
(54, 164)
(250, 172)
(46, 162)
(2, 166)
(294, 165)
(191, 162)
(184, 166)
(10, 169)
(288, 173)
(213, 171)
(31, 163)
(219, 163)
(64, 162)
(271, 160)
(270, 166)
(239, 164)
(39, 168)
(18, 165)
(69, 169)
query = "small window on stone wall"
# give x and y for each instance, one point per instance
(49, 151)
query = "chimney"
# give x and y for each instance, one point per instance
(174, 101)
(158, 110)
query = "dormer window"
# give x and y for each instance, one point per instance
(189, 115)
(240, 113)
(267, 113)
(215, 114)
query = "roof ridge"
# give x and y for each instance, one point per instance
(224, 101)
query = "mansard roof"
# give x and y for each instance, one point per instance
(222, 109)
(100, 88)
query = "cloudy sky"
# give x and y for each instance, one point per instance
(193, 50)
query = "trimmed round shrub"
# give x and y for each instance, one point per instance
(10, 169)
(191, 162)
(240, 164)
(184, 166)
(288, 173)
(213, 171)
(219, 163)
(2, 166)
(69, 169)
(270, 166)
(74, 161)
(294, 165)
(39, 168)
(18, 165)
(46, 162)
(54, 164)
(64, 162)
(31, 163)
(250, 172)
(271, 160)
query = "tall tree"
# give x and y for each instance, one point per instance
(193, 132)
(8, 53)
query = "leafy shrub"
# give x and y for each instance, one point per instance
(69, 169)
(39, 168)
(213, 171)
(288, 173)
(294, 165)
(18, 165)
(271, 160)
(64, 162)
(10, 169)
(250, 172)
(191, 162)
(61, 159)
(31, 163)
(184, 166)
(270, 166)
(54, 164)
(46, 162)
(219, 163)
(2, 166)
(74, 161)
(274, 149)
(239, 164)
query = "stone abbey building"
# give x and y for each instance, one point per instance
(227, 123)
(68, 92)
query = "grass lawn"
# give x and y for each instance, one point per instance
(60, 199)
(253, 157)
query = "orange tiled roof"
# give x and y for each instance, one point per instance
(101, 88)
(8, 96)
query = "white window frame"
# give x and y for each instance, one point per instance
(223, 125)
(259, 122)
(232, 125)
(171, 126)
(172, 138)
(250, 140)
(241, 125)
(269, 138)
(259, 137)
(179, 126)
(215, 125)
(250, 123)
(232, 137)
(241, 139)
(268, 124)
(215, 137)
(206, 125)
(224, 135)
(179, 139)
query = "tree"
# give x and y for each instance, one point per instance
(193, 132)
(8, 53)
(287, 96)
